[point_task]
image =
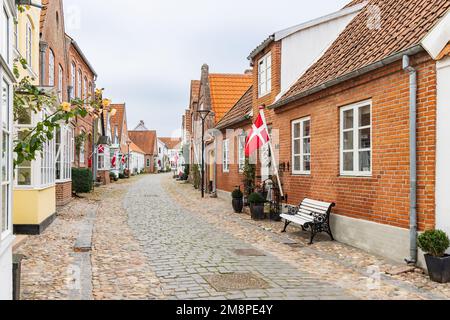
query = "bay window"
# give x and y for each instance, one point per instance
(265, 75)
(301, 146)
(6, 156)
(356, 139)
(226, 156)
(64, 153)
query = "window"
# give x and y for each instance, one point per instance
(148, 163)
(301, 146)
(73, 80)
(64, 153)
(242, 141)
(16, 36)
(85, 88)
(80, 79)
(356, 139)
(6, 165)
(265, 75)
(29, 45)
(103, 157)
(51, 69)
(226, 156)
(82, 151)
(60, 83)
(5, 35)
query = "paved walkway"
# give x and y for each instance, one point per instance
(155, 238)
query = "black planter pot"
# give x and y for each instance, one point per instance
(275, 216)
(257, 211)
(438, 268)
(238, 205)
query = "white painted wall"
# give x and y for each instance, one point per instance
(443, 146)
(300, 50)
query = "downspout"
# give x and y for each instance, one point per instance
(42, 49)
(413, 158)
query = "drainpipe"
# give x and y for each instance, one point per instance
(42, 49)
(413, 158)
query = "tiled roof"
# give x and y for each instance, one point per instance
(239, 112)
(117, 119)
(146, 140)
(354, 3)
(226, 90)
(171, 143)
(403, 25)
(135, 148)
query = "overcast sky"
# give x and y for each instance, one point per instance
(146, 52)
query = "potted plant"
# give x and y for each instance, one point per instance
(238, 200)
(256, 206)
(249, 173)
(435, 243)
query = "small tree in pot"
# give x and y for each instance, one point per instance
(256, 206)
(435, 243)
(238, 200)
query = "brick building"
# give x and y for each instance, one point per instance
(344, 126)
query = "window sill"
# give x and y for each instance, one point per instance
(33, 188)
(356, 175)
(301, 174)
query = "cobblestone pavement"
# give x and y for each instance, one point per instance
(154, 238)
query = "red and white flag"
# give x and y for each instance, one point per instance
(123, 159)
(114, 161)
(101, 148)
(258, 135)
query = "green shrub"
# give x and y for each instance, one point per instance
(121, 176)
(237, 194)
(82, 180)
(256, 198)
(434, 242)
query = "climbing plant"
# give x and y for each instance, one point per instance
(80, 140)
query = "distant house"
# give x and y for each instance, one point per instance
(119, 139)
(174, 147)
(146, 140)
(163, 157)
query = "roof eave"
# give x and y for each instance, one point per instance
(364, 70)
(80, 52)
(261, 47)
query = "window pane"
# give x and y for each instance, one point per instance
(348, 161)
(5, 157)
(364, 138)
(348, 119)
(306, 128)
(5, 36)
(307, 163)
(24, 175)
(364, 161)
(297, 163)
(348, 140)
(364, 116)
(5, 104)
(297, 146)
(307, 146)
(5, 202)
(297, 130)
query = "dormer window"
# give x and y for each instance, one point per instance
(265, 75)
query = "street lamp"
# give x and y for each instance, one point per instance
(203, 115)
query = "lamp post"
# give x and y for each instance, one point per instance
(203, 115)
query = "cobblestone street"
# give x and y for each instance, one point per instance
(154, 238)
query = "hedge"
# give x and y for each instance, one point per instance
(82, 180)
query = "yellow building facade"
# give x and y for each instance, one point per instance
(34, 189)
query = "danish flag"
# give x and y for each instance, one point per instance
(258, 135)
(101, 149)
(113, 161)
(123, 159)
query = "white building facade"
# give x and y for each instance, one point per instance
(163, 162)
(7, 17)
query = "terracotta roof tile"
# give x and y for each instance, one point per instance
(226, 90)
(146, 140)
(118, 118)
(403, 25)
(135, 148)
(239, 112)
(171, 143)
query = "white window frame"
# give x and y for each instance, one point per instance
(241, 152)
(65, 153)
(104, 158)
(226, 155)
(60, 82)
(5, 45)
(51, 68)
(265, 75)
(302, 153)
(356, 129)
(73, 79)
(79, 84)
(8, 182)
(29, 44)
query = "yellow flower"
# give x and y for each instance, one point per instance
(66, 106)
(113, 112)
(98, 91)
(106, 103)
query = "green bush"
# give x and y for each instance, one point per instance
(237, 194)
(256, 198)
(121, 176)
(434, 242)
(82, 180)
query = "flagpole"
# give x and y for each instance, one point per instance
(274, 161)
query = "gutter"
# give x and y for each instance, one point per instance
(369, 68)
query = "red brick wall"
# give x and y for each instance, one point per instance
(384, 197)
(63, 193)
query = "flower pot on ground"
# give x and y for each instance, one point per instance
(435, 243)
(238, 201)
(256, 202)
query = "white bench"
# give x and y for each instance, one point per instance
(311, 215)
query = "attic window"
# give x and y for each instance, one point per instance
(265, 75)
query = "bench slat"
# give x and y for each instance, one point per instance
(297, 219)
(317, 203)
(308, 209)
